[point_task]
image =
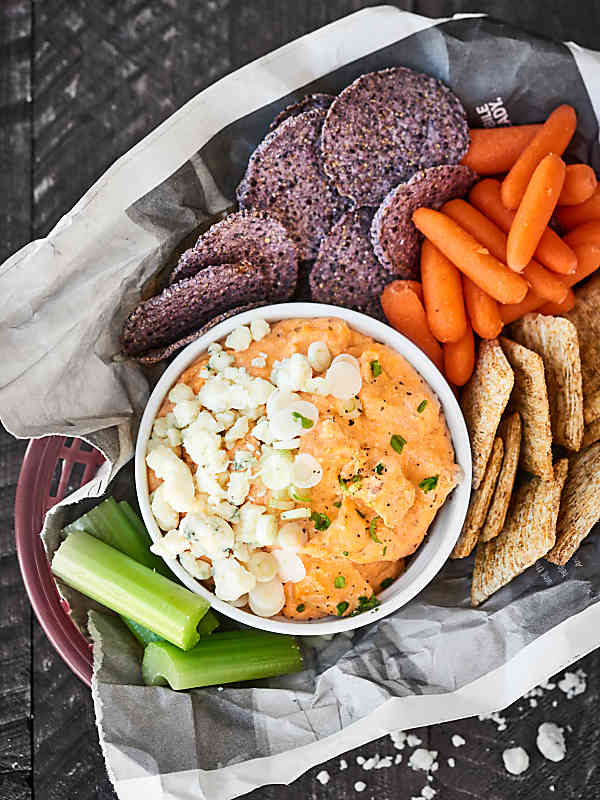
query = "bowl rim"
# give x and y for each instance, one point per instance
(402, 590)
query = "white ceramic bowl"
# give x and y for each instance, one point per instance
(444, 531)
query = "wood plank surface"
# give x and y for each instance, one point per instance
(81, 81)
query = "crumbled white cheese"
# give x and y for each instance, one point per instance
(427, 793)
(160, 428)
(224, 419)
(239, 339)
(412, 740)
(551, 741)
(291, 374)
(573, 683)
(399, 739)
(237, 431)
(180, 392)
(451, 762)
(238, 488)
(360, 760)
(495, 717)
(185, 412)
(457, 740)
(196, 567)
(323, 777)
(232, 579)
(516, 760)
(422, 759)
(259, 328)
(343, 764)
(360, 786)
(259, 362)
(398, 758)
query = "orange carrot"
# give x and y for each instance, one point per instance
(570, 217)
(554, 309)
(553, 137)
(414, 286)
(459, 359)
(588, 233)
(469, 255)
(443, 295)
(580, 185)
(405, 312)
(482, 309)
(551, 251)
(494, 150)
(535, 211)
(588, 261)
(545, 283)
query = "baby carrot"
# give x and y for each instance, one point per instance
(569, 217)
(551, 251)
(443, 295)
(535, 211)
(553, 137)
(494, 150)
(554, 309)
(469, 255)
(580, 185)
(545, 283)
(459, 359)
(588, 233)
(483, 310)
(414, 286)
(405, 312)
(588, 261)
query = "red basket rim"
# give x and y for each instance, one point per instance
(32, 501)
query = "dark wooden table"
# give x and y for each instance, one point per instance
(81, 81)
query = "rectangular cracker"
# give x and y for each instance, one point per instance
(530, 398)
(580, 504)
(591, 433)
(528, 533)
(555, 340)
(479, 504)
(585, 315)
(483, 401)
(510, 432)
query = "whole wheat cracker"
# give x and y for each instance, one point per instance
(580, 504)
(510, 432)
(479, 504)
(528, 533)
(530, 398)
(585, 315)
(555, 340)
(483, 401)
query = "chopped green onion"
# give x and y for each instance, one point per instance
(342, 607)
(339, 582)
(365, 604)
(112, 524)
(344, 482)
(384, 550)
(345, 553)
(422, 406)
(360, 513)
(379, 469)
(304, 421)
(300, 498)
(337, 503)
(397, 442)
(222, 658)
(375, 369)
(427, 484)
(322, 521)
(373, 530)
(386, 582)
(131, 589)
(300, 608)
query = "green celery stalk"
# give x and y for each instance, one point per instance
(131, 589)
(111, 524)
(206, 626)
(221, 658)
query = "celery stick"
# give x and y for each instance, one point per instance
(131, 589)
(221, 658)
(109, 523)
(206, 626)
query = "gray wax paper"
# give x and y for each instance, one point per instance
(65, 298)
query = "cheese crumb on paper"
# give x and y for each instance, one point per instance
(551, 741)
(516, 760)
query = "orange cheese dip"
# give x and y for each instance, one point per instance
(387, 460)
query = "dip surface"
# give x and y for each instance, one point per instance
(385, 455)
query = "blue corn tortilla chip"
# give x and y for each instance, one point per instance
(150, 357)
(250, 236)
(395, 239)
(309, 102)
(190, 303)
(386, 126)
(285, 179)
(346, 272)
